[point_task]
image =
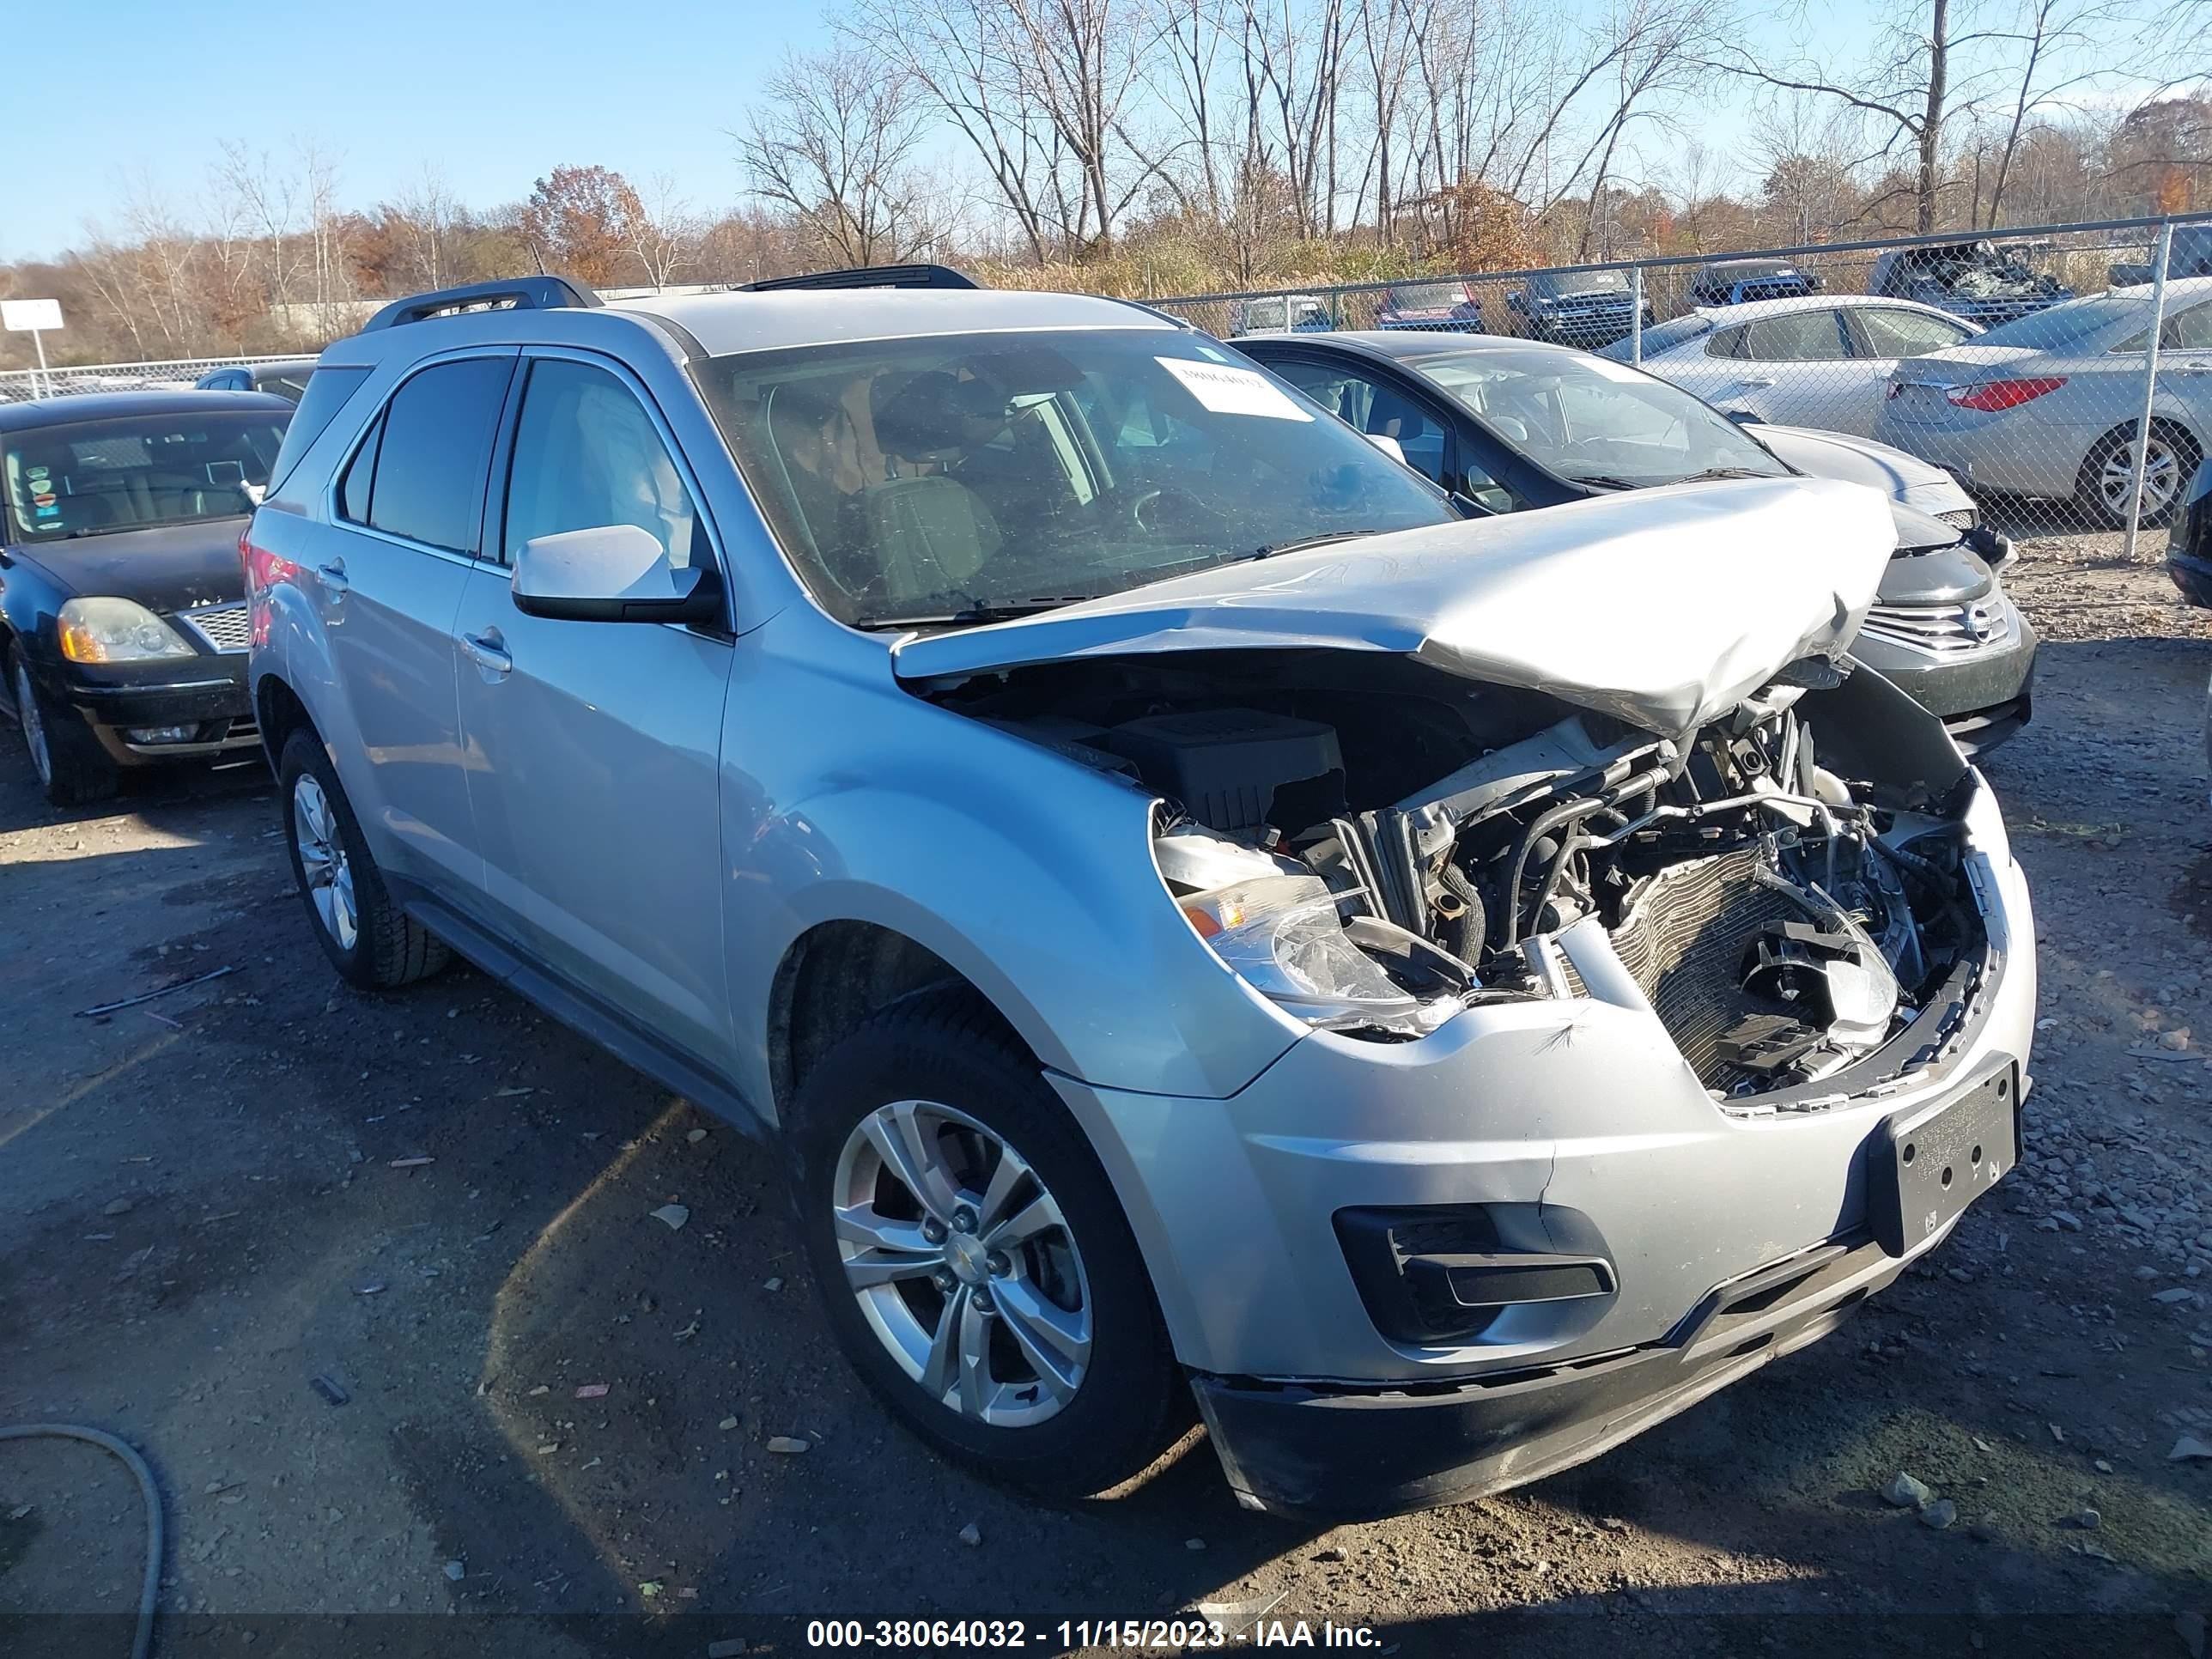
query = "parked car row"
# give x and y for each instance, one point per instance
(1134, 845)
(1515, 425)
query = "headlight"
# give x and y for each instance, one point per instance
(1283, 936)
(117, 630)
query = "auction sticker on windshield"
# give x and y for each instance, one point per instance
(1227, 391)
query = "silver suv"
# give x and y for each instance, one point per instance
(1205, 914)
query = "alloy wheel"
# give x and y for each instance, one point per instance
(2116, 479)
(323, 862)
(34, 729)
(963, 1264)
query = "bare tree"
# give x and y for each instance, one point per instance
(1923, 74)
(2046, 32)
(665, 234)
(832, 143)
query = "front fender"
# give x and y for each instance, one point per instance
(1027, 872)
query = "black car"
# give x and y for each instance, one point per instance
(1510, 425)
(123, 617)
(1585, 308)
(2189, 541)
(1738, 281)
(287, 379)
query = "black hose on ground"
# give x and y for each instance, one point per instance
(143, 1643)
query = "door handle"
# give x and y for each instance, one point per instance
(334, 578)
(488, 654)
(1750, 384)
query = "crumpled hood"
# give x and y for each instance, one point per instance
(1662, 607)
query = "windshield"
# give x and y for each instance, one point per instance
(1594, 421)
(1428, 296)
(1581, 282)
(2062, 325)
(134, 471)
(954, 477)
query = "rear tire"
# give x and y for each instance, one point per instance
(370, 940)
(73, 769)
(2107, 476)
(941, 1067)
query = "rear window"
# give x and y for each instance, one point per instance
(327, 392)
(138, 472)
(1660, 337)
(2063, 324)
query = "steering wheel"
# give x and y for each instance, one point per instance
(1145, 509)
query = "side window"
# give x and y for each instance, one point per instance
(1729, 343)
(352, 488)
(1892, 331)
(587, 455)
(1795, 336)
(1376, 409)
(434, 452)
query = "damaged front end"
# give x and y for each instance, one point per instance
(1375, 847)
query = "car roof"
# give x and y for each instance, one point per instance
(1408, 345)
(105, 405)
(269, 371)
(725, 323)
(1752, 310)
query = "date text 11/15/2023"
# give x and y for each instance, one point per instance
(1083, 1635)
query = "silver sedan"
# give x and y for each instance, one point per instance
(2048, 404)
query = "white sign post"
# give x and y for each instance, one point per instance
(34, 316)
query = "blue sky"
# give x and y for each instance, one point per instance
(491, 96)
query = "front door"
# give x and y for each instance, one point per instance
(593, 747)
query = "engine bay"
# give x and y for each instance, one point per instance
(1377, 845)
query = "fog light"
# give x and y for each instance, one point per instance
(160, 733)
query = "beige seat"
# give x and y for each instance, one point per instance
(933, 534)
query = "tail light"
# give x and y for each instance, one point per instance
(1992, 396)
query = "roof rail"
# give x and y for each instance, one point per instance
(868, 276)
(507, 294)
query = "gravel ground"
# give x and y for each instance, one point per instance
(374, 1283)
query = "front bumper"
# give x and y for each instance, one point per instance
(1340, 1455)
(2191, 575)
(206, 693)
(1981, 698)
(1581, 1107)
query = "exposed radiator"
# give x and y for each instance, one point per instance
(1683, 941)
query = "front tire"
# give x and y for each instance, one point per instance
(373, 943)
(73, 769)
(973, 1260)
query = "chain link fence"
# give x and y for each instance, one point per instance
(19, 385)
(2062, 375)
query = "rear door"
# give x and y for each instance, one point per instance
(408, 506)
(1793, 368)
(594, 747)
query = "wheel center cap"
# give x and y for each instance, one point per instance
(966, 1255)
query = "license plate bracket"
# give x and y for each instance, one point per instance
(1925, 1166)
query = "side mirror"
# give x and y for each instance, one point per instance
(611, 573)
(1743, 417)
(1388, 445)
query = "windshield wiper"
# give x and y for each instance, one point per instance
(1714, 473)
(979, 612)
(1270, 549)
(1606, 481)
